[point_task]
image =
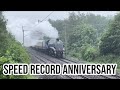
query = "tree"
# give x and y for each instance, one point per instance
(82, 34)
(11, 51)
(110, 42)
(81, 29)
(3, 34)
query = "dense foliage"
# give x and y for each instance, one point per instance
(110, 42)
(83, 33)
(91, 37)
(11, 51)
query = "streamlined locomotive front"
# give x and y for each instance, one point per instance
(56, 48)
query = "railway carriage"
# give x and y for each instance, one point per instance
(51, 47)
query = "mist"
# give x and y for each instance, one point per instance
(36, 31)
(33, 31)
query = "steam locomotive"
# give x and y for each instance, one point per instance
(52, 47)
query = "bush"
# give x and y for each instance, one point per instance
(73, 53)
(9, 59)
(16, 54)
(89, 52)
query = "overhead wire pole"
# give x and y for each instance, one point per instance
(66, 38)
(23, 35)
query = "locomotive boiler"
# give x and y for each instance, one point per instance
(52, 47)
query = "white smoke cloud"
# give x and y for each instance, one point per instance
(14, 26)
(46, 29)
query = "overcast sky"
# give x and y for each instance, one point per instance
(29, 19)
(35, 15)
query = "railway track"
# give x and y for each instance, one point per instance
(41, 57)
(44, 59)
(117, 76)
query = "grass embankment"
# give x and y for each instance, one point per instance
(15, 53)
(11, 51)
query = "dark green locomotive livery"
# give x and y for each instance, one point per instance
(52, 47)
(55, 47)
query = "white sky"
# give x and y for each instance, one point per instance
(29, 19)
(35, 15)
